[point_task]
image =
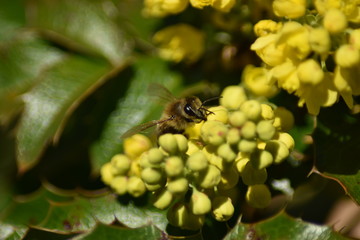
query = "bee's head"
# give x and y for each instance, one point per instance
(193, 110)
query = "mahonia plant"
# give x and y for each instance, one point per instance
(197, 173)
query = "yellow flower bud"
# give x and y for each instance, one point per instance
(233, 97)
(193, 130)
(347, 56)
(289, 8)
(197, 161)
(248, 130)
(265, 27)
(182, 142)
(267, 112)
(233, 136)
(252, 176)
(265, 130)
(258, 196)
(154, 187)
(174, 166)
(135, 145)
(310, 72)
(136, 186)
(229, 179)
(120, 164)
(180, 42)
(179, 216)
(119, 184)
(178, 186)
(335, 21)
(169, 143)
(222, 208)
(261, 159)
(155, 156)
(286, 138)
(237, 119)
(284, 119)
(225, 151)
(213, 158)
(319, 40)
(241, 160)
(210, 178)
(161, 8)
(163, 199)
(213, 132)
(354, 38)
(252, 109)
(247, 146)
(220, 114)
(151, 175)
(199, 203)
(269, 50)
(223, 5)
(278, 149)
(193, 147)
(200, 3)
(106, 173)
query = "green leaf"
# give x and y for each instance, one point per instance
(8, 232)
(133, 108)
(82, 25)
(109, 208)
(47, 104)
(12, 17)
(111, 232)
(282, 226)
(337, 141)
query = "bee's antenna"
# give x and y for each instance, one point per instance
(210, 99)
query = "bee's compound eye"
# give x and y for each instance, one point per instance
(188, 110)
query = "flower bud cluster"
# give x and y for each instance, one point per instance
(198, 175)
(300, 53)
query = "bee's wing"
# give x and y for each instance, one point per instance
(143, 127)
(160, 93)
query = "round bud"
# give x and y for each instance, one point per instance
(179, 216)
(229, 179)
(241, 160)
(248, 130)
(335, 21)
(233, 97)
(247, 146)
(136, 186)
(261, 159)
(286, 138)
(225, 151)
(119, 184)
(163, 199)
(213, 132)
(154, 187)
(220, 114)
(284, 119)
(151, 175)
(354, 38)
(144, 161)
(265, 130)
(182, 142)
(121, 164)
(310, 72)
(106, 173)
(233, 136)
(197, 161)
(252, 109)
(210, 178)
(267, 112)
(319, 40)
(237, 119)
(135, 145)
(155, 156)
(213, 158)
(174, 166)
(258, 196)
(193, 147)
(178, 186)
(347, 56)
(222, 208)
(252, 176)
(278, 149)
(169, 143)
(199, 203)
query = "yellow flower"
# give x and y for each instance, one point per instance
(256, 80)
(265, 27)
(223, 5)
(310, 72)
(286, 76)
(269, 50)
(319, 40)
(347, 56)
(135, 145)
(350, 8)
(289, 8)
(346, 82)
(354, 38)
(335, 21)
(162, 8)
(180, 42)
(200, 3)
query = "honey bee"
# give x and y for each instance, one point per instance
(178, 114)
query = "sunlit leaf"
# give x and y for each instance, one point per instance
(83, 25)
(133, 108)
(47, 104)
